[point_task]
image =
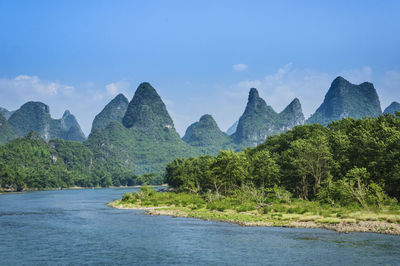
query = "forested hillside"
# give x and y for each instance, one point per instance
(32, 163)
(349, 162)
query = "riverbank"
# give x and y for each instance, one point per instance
(296, 214)
(72, 188)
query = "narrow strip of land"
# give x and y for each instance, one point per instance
(282, 215)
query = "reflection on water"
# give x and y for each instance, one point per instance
(76, 227)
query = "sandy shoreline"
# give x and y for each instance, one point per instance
(344, 226)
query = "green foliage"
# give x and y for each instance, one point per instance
(347, 100)
(6, 133)
(278, 194)
(352, 163)
(229, 171)
(144, 192)
(32, 163)
(35, 116)
(137, 150)
(206, 136)
(113, 111)
(264, 171)
(146, 179)
(259, 120)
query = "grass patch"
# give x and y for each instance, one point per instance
(328, 221)
(249, 212)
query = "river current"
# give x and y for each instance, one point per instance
(77, 227)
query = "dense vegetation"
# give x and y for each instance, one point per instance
(207, 137)
(35, 116)
(350, 162)
(113, 111)
(343, 177)
(247, 206)
(259, 120)
(32, 163)
(6, 133)
(136, 150)
(347, 100)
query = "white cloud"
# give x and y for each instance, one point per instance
(282, 86)
(358, 76)
(310, 86)
(240, 67)
(115, 88)
(29, 84)
(112, 89)
(249, 84)
(84, 103)
(388, 87)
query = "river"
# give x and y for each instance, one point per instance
(77, 227)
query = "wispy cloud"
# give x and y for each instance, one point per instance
(239, 67)
(310, 86)
(278, 88)
(84, 102)
(27, 85)
(115, 88)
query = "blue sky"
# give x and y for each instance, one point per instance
(201, 56)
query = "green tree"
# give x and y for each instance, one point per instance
(229, 171)
(312, 158)
(264, 171)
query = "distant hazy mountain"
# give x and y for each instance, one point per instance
(69, 128)
(145, 140)
(259, 120)
(6, 113)
(347, 100)
(35, 116)
(232, 129)
(6, 133)
(392, 108)
(113, 111)
(141, 136)
(291, 116)
(206, 135)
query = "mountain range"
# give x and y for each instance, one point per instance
(140, 134)
(35, 116)
(347, 100)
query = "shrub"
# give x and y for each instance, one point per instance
(279, 194)
(267, 209)
(297, 210)
(279, 208)
(220, 205)
(245, 208)
(128, 197)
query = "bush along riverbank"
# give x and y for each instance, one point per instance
(345, 177)
(246, 207)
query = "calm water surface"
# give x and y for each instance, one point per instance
(76, 227)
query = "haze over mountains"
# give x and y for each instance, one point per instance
(141, 136)
(347, 100)
(392, 108)
(35, 116)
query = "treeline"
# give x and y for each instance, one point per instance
(33, 163)
(348, 162)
